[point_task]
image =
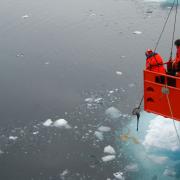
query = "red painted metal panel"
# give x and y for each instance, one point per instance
(155, 100)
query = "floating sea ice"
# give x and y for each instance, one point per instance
(61, 123)
(108, 158)
(122, 57)
(132, 168)
(111, 92)
(35, 132)
(89, 100)
(13, 138)
(97, 100)
(47, 63)
(20, 55)
(113, 112)
(158, 159)
(1, 152)
(165, 139)
(137, 32)
(109, 149)
(25, 16)
(65, 172)
(47, 123)
(169, 172)
(104, 129)
(119, 73)
(99, 135)
(119, 175)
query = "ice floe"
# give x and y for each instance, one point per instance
(1, 152)
(119, 175)
(109, 150)
(161, 134)
(35, 132)
(61, 123)
(93, 100)
(104, 129)
(25, 16)
(13, 138)
(99, 135)
(48, 123)
(113, 112)
(137, 32)
(119, 73)
(47, 63)
(108, 158)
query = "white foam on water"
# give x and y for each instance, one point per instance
(108, 158)
(132, 167)
(158, 159)
(109, 150)
(169, 172)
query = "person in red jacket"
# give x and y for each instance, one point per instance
(176, 61)
(173, 65)
(154, 62)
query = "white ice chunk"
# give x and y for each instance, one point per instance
(89, 100)
(13, 138)
(119, 73)
(65, 172)
(161, 134)
(47, 123)
(119, 175)
(99, 135)
(109, 149)
(111, 92)
(25, 16)
(132, 168)
(61, 123)
(47, 63)
(97, 100)
(104, 129)
(1, 152)
(108, 158)
(113, 112)
(35, 132)
(137, 32)
(169, 172)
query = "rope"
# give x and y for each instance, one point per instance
(157, 43)
(174, 29)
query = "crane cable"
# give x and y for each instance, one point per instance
(136, 111)
(167, 95)
(160, 36)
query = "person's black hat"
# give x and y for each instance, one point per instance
(177, 42)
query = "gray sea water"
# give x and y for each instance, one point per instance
(79, 62)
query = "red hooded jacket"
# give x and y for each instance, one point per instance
(154, 62)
